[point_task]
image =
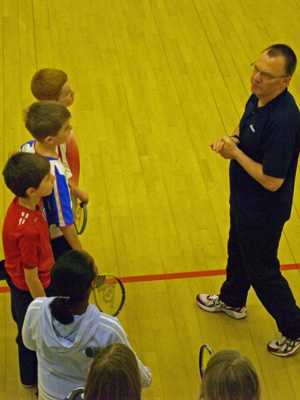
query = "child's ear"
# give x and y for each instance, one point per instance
(49, 140)
(30, 192)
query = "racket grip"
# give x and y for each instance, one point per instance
(91, 352)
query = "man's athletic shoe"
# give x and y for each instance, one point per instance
(283, 347)
(212, 303)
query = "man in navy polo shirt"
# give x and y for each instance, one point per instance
(264, 155)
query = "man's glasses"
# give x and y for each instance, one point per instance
(266, 76)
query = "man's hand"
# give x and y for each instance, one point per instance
(218, 145)
(229, 149)
(226, 146)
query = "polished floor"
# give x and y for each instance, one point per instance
(156, 82)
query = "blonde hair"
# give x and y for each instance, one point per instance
(230, 376)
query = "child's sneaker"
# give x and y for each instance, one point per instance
(283, 347)
(212, 303)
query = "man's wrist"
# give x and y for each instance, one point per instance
(236, 153)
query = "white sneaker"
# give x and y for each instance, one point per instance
(283, 347)
(212, 303)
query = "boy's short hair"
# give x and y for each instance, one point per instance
(45, 118)
(25, 170)
(47, 83)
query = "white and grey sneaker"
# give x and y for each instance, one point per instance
(283, 347)
(212, 303)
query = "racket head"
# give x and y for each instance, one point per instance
(205, 354)
(80, 215)
(109, 294)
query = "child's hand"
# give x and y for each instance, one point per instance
(78, 193)
(83, 196)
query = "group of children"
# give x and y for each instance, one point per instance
(38, 227)
(49, 275)
(114, 374)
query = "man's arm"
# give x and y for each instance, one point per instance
(34, 284)
(253, 168)
(71, 236)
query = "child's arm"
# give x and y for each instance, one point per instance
(121, 337)
(78, 193)
(33, 282)
(71, 236)
(59, 208)
(73, 158)
(30, 318)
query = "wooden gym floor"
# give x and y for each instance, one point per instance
(156, 82)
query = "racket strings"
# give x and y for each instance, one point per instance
(109, 294)
(80, 215)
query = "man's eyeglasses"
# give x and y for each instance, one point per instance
(266, 76)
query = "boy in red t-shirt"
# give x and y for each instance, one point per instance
(26, 245)
(53, 84)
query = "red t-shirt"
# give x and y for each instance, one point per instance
(26, 244)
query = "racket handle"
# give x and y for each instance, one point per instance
(91, 352)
